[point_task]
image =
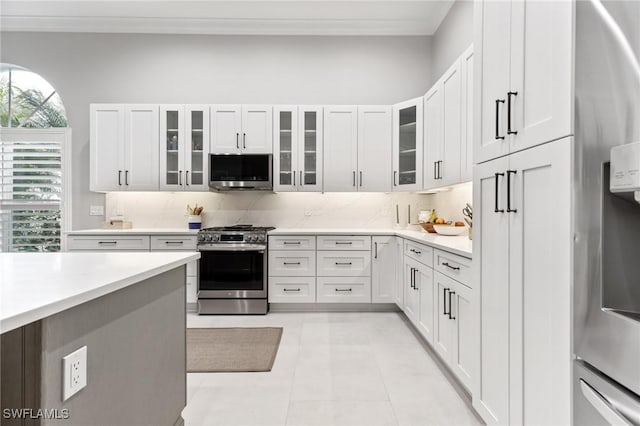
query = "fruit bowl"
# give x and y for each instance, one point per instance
(450, 229)
(427, 226)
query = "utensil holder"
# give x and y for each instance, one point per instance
(195, 221)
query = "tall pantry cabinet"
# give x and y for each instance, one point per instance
(522, 210)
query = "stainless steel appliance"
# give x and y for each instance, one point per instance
(248, 172)
(233, 270)
(607, 224)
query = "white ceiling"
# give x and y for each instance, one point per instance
(259, 17)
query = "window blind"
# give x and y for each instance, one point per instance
(32, 191)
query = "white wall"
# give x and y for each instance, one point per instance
(453, 36)
(92, 68)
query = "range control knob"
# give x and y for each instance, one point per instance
(207, 237)
(200, 237)
(261, 238)
(251, 237)
(216, 237)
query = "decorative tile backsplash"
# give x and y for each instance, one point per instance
(290, 210)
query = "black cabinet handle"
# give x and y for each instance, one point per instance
(107, 243)
(238, 140)
(344, 263)
(360, 177)
(435, 173)
(293, 172)
(509, 131)
(180, 177)
(496, 209)
(344, 243)
(291, 289)
(411, 279)
(354, 178)
(455, 268)
(341, 290)
(244, 140)
(174, 242)
(291, 243)
(290, 263)
(120, 177)
(509, 209)
(301, 181)
(444, 301)
(395, 176)
(449, 313)
(415, 282)
(498, 102)
(440, 169)
(375, 245)
(186, 178)
(126, 177)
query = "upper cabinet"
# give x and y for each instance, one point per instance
(522, 100)
(184, 144)
(340, 148)
(124, 141)
(407, 145)
(242, 129)
(297, 148)
(374, 148)
(446, 125)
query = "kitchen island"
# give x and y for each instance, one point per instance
(127, 309)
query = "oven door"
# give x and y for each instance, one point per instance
(233, 274)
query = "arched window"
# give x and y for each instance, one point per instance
(34, 166)
(28, 100)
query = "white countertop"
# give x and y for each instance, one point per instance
(460, 245)
(135, 231)
(37, 285)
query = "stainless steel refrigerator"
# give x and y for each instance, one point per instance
(606, 381)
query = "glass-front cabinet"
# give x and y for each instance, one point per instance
(407, 145)
(184, 145)
(297, 148)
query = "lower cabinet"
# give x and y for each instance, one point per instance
(383, 269)
(399, 284)
(411, 305)
(425, 283)
(292, 289)
(343, 290)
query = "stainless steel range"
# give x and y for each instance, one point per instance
(233, 270)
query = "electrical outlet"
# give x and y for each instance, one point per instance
(308, 212)
(96, 210)
(74, 373)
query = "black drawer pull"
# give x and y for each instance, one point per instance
(291, 289)
(455, 268)
(174, 242)
(108, 242)
(287, 243)
(415, 251)
(291, 263)
(344, 242)
(344, 263)
(341, 290)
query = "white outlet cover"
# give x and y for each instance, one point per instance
(96, 210)
(74, 373)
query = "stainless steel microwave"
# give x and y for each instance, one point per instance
(248, 172)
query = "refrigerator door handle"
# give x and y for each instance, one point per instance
(603, 406)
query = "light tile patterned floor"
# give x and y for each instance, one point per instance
(360, 369)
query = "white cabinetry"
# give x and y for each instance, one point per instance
(446, 125)
(124, 147)
(398, 293)
(292, 269)
(297, 148)
(184, 145)
(522, 244)
(374, 148)
(522, 99)
(344, 274)
(340, 148)
(407, 145)
(411, 304)
(383, 269)
(241, 129)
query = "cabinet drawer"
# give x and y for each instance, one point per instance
(453, 266)
(419, 252)
(168, 242)
(344, 290)
(344, 264)
(292, 289)
(107, 243)
(292, 242)
(292, 263)
(192, 268)
(344, 242)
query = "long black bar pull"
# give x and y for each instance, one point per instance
(509, 131)
(509, 209)
(496, 209)
(498, 102)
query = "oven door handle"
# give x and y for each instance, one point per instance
(258, 248)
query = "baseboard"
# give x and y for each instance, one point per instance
(333, 307)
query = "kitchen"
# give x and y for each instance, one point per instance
(357, 133)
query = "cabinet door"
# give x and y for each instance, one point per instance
(142, 147)
(399, 270)
(424, 282)
(466, 127)
(444, 324)
(285, 144)
(449, 168)
(540, 284)
(340, 148)
(407, 145)
(172, 148)
(541, 72)
(411, 295)
(107, 147)
(383, 273)
(196, 152)
(491, 289)
(226, 123)
(374, 148)
(464, 353)
(257, 129)
(432, 135)
(492, 42)
(310, 148)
